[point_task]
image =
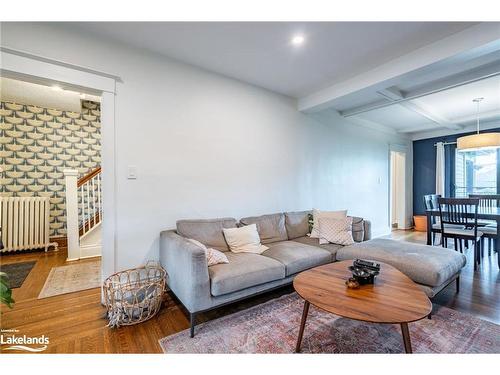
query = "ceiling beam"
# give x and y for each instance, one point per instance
(456, 80)
(372, 125)
(463, 78)
(395, 95)
(486, 125)
(413, 129)
(486, 118)
(482, 36)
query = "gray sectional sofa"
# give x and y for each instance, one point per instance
(291, 251)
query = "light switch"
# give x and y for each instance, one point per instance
(132, 172)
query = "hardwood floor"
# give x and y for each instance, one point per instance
(75, 323)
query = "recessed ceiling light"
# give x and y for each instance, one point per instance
(56, 88)
(297, 40)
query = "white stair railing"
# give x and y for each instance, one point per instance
(83, 208)
(90, 210)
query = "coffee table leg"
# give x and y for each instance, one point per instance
(302, 326)
(406, 337)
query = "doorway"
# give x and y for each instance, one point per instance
(42, 70)
(397, 201)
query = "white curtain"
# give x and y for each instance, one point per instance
(440, 168)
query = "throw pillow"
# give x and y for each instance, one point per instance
(244, 239)
(337, 231)
(317, 214)
(213, 256)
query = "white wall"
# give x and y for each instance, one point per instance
(208, 146)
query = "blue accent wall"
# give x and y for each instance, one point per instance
(424, 168)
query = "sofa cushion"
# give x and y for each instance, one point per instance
(271, 228)
(297, 224)
(297, 256)
(331, 247)
(207, 231)
(358, 229)
(244, 270)
(428, 265)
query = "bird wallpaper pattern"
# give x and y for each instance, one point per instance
(37, 144)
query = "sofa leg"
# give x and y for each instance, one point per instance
(192, 319)
(458, 284)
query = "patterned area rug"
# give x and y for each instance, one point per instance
(272, 327)
(17, 272)
(72, 278)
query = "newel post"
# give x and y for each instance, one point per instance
(72, 229)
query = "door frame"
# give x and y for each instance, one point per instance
(404, 150)
(26, 66)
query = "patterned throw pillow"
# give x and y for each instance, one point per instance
(213, 256)
(338, 231)
(317, 214)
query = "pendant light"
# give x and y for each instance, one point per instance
(479, 140)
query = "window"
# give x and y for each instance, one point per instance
(476, 172)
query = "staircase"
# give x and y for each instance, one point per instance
(83, 214)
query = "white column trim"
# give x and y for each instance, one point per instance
(72, 228)
(108, 184)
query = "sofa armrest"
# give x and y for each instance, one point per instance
(187, 270)
(368, 230)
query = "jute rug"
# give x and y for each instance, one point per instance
(17, 272)
(72, 278)
(273, 327)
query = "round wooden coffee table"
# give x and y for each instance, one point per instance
(392, 299)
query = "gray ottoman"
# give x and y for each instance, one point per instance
(433, 268)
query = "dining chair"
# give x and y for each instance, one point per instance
(431, 202)
(488, 227)
(461, 212)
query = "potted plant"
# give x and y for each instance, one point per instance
(5, 291)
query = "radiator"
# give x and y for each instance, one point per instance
(24, 223)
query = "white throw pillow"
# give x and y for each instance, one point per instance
(244, 240)
(213, 256)
(338, 231)
(317, 214)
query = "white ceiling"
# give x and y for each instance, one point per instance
(456, 104)
(261, 53)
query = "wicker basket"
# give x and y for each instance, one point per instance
(134, 296)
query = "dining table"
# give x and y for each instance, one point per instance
(483, 213)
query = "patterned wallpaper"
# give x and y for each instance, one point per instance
(37, 144)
